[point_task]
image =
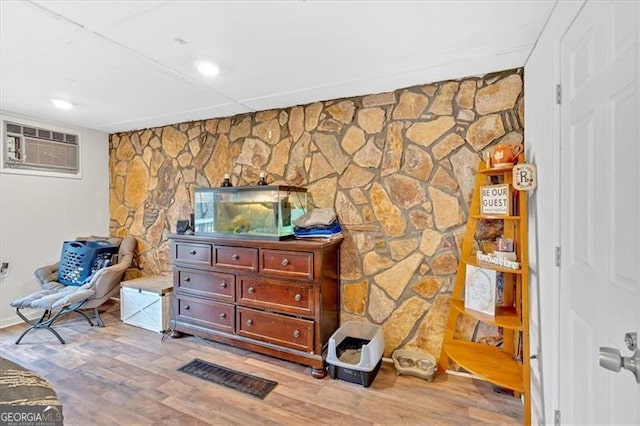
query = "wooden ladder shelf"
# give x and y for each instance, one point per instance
(507, 366)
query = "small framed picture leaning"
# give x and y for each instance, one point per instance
(495, 200)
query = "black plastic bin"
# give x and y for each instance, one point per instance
(364, 378)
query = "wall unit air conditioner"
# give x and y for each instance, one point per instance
(38, 148)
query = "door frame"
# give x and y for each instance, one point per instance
(557, 300)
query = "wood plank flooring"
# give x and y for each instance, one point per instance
(122, 374)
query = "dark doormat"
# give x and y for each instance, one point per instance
(242, 382)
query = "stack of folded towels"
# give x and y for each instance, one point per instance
(317, 223)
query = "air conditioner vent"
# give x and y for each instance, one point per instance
(40, 149)
(13, 128)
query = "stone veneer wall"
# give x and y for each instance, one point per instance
(398, 168)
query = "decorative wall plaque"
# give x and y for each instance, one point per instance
(525, 177)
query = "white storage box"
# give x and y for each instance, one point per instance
(355, 352)
(146, 302)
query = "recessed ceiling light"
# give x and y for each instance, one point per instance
(62, 104)
(207, 68)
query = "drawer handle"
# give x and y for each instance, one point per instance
(192, 252)
(298, 297)
(249, 323)
(235, 256)
(187, 307)
(285, 262)
(251, 290)
(223, 315)
(223, 285)
(296, 334)
(187, 279)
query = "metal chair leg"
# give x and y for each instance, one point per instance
(23, 333)
(48, 318)
(55, 333)
(41, 324)
(33, 327)
(33, 323)
(78, 311)
(99, 322)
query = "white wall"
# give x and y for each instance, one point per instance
(542, 138)
(38, 213)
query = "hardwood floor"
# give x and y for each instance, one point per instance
(122, 374)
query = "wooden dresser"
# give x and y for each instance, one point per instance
(279, 298)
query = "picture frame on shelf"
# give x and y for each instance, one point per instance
(480, 290)
(495, 200)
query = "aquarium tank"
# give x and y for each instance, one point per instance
(266, 212)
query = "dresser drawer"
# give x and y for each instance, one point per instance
(216, 285)
(275, 295)
(293, 333)
(193, 253)
(241, 258)
(205, 313)
(287, 263)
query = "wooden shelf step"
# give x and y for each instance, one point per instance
(494, 217)
(496, 170)
(506, 316)
(487, 362)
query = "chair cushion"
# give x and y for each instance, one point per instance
(58, 297)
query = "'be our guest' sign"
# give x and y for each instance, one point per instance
(494, 199)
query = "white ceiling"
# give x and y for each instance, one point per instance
(128, 65)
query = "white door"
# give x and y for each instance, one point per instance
(600, 211)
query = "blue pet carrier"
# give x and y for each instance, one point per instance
(81, 259)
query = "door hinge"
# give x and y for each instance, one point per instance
(557, 256)
(558, 94)
(556, 418)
